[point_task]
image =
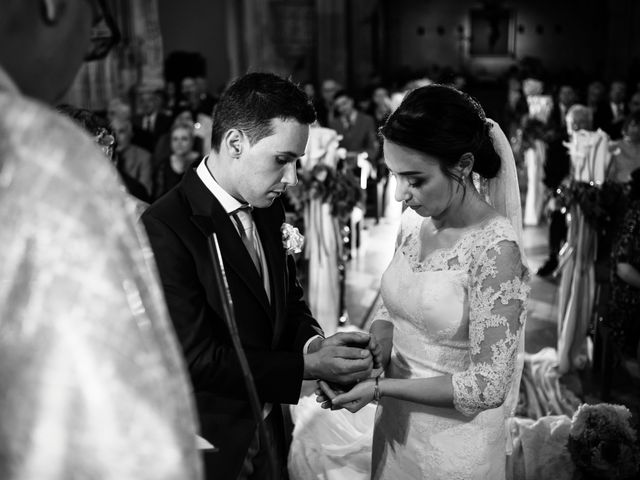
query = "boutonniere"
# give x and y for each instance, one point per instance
(292, 239)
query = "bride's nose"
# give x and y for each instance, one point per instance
(402, 193)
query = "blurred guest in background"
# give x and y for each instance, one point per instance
(515, 109)
(624, 305)
(324, 107)
(626, 152)
(556, 169)
(150, 123)
(131, 160)
(599, 105)
(634, 103)
(618, 107)
(358, 129)
(106, 139)
(171, 168)
(195, 96)
(358, 132)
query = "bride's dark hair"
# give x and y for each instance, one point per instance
(445, 123)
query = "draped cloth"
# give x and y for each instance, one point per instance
(590, 158)
(322, 237)
(94, 381)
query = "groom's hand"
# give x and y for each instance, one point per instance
(343, 358)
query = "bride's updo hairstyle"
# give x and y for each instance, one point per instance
(444, 123)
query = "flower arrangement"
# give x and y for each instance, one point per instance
(601, 204)
(602, 442)
(323, 182)
(292, 239)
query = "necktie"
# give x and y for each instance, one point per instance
(246, 228)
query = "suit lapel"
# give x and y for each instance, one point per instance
(210, 217)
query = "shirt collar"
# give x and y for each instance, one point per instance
(6, 83)
(229, 203)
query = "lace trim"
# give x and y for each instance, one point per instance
(457, 256)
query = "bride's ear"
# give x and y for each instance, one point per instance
(465, 164)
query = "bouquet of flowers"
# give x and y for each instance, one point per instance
(603, 444)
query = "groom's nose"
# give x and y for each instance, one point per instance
(290, 176)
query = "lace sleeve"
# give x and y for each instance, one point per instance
(497, 297)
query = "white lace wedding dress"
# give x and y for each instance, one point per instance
(459, 311)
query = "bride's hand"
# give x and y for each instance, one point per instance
(326, 392)
(356, 398)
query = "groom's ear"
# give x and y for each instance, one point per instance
(233, 142)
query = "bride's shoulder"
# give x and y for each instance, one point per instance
(499, 228)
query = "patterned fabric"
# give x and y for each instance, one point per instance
(459, 311)
(624, 307)
(94, 385)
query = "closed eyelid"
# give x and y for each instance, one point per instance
(286, 158)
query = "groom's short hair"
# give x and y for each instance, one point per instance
(251, 102)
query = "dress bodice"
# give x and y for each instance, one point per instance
(459, 310)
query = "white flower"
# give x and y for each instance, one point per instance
(292, 239)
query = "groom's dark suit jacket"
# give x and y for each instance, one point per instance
(273, 333)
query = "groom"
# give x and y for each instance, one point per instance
(260, 130)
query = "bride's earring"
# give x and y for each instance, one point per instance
(49, 11)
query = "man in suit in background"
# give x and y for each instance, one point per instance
(358, 129)
(359, 135)
(150, 124)
(618, 108)
(597, 101)
(556, 168)
(260, 130)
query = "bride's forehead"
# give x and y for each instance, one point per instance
(401, 159)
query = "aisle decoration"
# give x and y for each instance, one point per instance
(590, 158)
(323, 200)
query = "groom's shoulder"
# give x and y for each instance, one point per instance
(170, 208)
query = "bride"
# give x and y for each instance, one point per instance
(451, 326)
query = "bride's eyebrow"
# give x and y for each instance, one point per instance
(410, 173)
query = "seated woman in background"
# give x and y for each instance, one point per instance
(171, 168)
(626, 152)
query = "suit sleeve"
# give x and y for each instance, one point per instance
(212, 361)
(300, 324)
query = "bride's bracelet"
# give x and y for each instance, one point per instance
(376, 390)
